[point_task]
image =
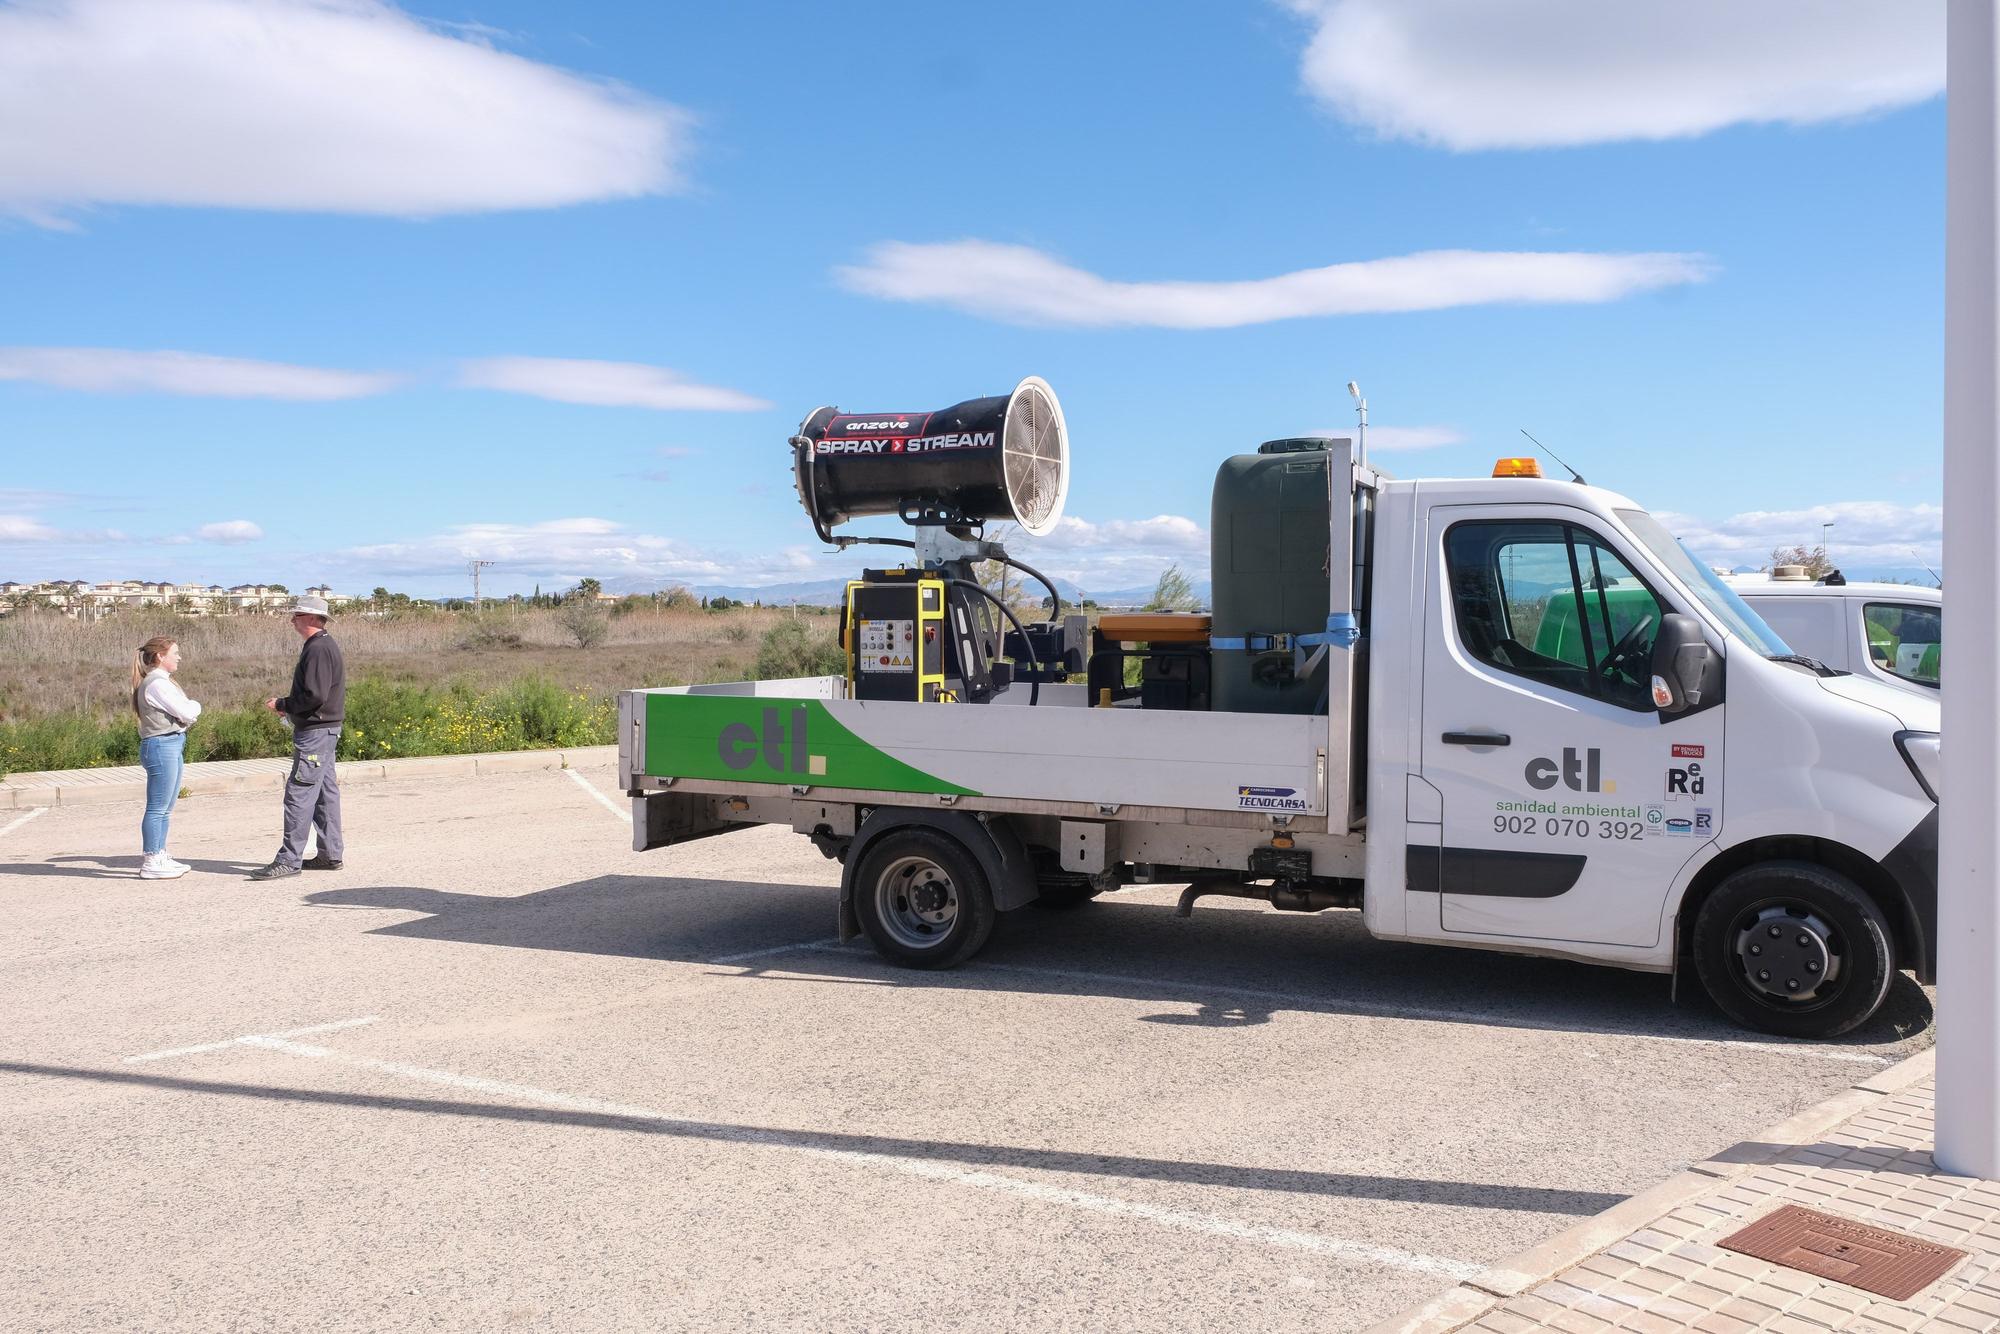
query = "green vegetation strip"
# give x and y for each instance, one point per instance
(384, 720)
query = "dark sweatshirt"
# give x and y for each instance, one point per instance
(319, 685)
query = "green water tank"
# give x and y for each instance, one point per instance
(1268, 552)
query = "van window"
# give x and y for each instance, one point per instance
(1553, 603)
(1905, 639)
(1812, 625)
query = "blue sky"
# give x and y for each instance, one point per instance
(263, 265)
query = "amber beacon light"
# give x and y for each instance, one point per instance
(1517, 468)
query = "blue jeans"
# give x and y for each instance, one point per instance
(162, 757)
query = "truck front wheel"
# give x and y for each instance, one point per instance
(1794, 949)
(922, 899)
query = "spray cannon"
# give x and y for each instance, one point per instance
(928, 631)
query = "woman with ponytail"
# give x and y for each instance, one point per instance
(165, 715)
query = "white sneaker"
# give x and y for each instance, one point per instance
(158, 866)
(179, 868)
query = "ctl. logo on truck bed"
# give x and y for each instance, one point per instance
(783, 745)
(1579, 773)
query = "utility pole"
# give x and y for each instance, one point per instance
(476, 566)
(1968, 963)
(1825, 558)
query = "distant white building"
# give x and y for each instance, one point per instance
(76, 598)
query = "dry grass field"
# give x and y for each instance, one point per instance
(425, 682)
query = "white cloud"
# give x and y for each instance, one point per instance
(25, 529)
(344, 106)
(1025, 286)
(624, 384)
(229, 530)
(110, 370)
(558, 552)
(21, 528)
(1866, 534)
(555, 553)
(1161, 533)
(1109, 554)
(1471, 74)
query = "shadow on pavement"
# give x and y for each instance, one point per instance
(118, 868)
(1235, 967)
(1464, 1194)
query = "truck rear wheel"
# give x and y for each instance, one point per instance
(1794, 949)
(922, 900)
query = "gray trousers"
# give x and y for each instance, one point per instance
(312, 796)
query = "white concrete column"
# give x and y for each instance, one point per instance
(1968, 1051)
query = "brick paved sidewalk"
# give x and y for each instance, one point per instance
(1652, 1263)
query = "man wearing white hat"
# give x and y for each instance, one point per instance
(315, 707)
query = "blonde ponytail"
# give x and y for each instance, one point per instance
(149, 657)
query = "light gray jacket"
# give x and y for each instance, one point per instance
(161, 705)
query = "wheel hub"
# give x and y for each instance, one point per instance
(1787, 953)
(917, 901)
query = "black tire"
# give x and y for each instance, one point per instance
(922, 899)
(1826, 944)
(1061, 896)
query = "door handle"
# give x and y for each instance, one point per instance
(1476, 738)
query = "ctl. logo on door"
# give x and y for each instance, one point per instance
(1579, 773)
(782, 747)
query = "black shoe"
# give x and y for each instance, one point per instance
(322, 862)
(275, 871)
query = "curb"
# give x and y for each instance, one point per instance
(88, 787)
(1508, 1278)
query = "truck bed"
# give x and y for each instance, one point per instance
(805, 733)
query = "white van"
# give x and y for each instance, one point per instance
(1890, 632)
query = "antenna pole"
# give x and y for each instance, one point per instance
(1361, 412)
(1575, 476)
(476, 565)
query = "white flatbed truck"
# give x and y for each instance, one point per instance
(1544, 728)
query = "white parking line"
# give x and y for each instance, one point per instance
(778, 949)
(1378, 1010)
(12, 825)
(1338, 1248)
(252, 1040)
(602, 800)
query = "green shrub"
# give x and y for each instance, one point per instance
(799, 648)
(489, 632)
(385, 719)
(237, 734)
(67, 741)
(585, 623)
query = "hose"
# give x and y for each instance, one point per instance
(1034, 686)
(1055, 598)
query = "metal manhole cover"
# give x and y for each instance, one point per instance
(1890, 1264)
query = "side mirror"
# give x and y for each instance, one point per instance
(1682, 664)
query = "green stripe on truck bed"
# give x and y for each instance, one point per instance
(764, 739)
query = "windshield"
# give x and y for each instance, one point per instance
(1721, 601)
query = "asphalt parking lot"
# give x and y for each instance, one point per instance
(501, 1072)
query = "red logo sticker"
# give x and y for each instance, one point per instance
(1690, 752)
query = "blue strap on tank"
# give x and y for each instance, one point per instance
(1342, 631)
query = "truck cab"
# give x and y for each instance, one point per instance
(1598, 750)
